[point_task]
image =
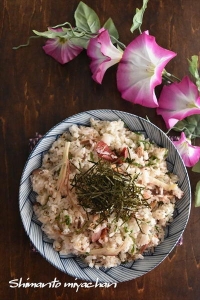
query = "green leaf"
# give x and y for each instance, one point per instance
(138, 17)
(110, 26)
(196, 167)
(193, 68)
(86, 18)
(81, 41)
(49, 34)
(190, 126)
(197, 195)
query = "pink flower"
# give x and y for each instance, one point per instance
(190, 154)
(62, 48)
(103, 54)
(140, 70)
(178, 101)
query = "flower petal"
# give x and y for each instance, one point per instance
(103, 54)
(140, 70)
(178, 101)
(190, 154)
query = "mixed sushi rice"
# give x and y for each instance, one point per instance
(104, 193)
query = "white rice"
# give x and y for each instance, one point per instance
(112, 241)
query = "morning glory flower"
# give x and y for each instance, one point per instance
(103, 54)
(61, 47)
(189, 153)
(178, 101)
(140, 70)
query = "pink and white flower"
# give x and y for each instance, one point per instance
(140, 70)
(178, 101)
(103, 54)
(189, 153)
(62, 48)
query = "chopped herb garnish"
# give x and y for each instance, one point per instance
(147, 144)
(91, 156)
(133, 162)
(125, 229)
(105, 191)
(153, 160)
(133, 249)
(67, 220)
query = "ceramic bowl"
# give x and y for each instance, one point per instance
(72, 265)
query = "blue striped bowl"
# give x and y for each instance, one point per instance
(72, 265)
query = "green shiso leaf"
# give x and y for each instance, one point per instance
(197, 195)
(110, 26)
(86, 18)
(196, 167)
(190, 126)
(194, 69)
